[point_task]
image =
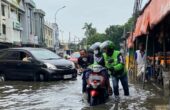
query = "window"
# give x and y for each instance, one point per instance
(24, 56)
(49, 32)
(2, 55)
(30, 19)
(19, 17)
(44, 54)
(4, 29)
(11, 55)
(3, 10)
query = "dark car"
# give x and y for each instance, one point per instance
(34, 64)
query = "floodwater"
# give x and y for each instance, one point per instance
(66, 95)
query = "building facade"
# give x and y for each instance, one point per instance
(21, 23)
(49, 35)
(39, 27)
(28, 22)
(56, 36)
(10, 25)
(16, 22)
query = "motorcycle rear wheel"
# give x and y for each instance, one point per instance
(94, 101)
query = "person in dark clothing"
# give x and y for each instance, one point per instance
(83, 62)
(85, 59)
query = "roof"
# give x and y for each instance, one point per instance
(154, 12)
(25, 48)
(39, 11)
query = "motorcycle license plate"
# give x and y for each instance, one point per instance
(68, 76)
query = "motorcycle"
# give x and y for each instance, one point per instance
(96, 86)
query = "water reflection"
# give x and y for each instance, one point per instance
(66, 95)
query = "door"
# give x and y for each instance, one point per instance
(17, 69)
(26, 69)
(10, 62)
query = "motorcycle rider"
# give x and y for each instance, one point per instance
(99, 60)
(115, 63)
(83, 62)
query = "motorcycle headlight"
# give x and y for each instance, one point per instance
(50, 66)
(73, 65)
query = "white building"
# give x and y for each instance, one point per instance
(10, 25)
(28, 22)
(55, 36)
(17, 21)
(39, 27)
(20, 23)
(49, 35)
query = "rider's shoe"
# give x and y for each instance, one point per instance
(116, 98)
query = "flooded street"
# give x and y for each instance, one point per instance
(66, 95)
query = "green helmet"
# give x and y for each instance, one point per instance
(107, 45)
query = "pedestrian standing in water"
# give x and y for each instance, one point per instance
(140, 58)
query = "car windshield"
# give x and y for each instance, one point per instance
(75, 55)
(44, 54)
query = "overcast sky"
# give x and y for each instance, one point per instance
(101, 13)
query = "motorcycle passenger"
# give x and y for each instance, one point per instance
(97, 54)
(83, 62)
(115, 63)
(99, 60)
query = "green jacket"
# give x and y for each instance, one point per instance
(114, 62)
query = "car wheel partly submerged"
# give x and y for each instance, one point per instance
(41, 77)
(2, 77)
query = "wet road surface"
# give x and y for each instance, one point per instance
(66, 95)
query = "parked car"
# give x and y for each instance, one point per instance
(36, 64)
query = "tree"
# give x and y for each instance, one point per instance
(129, 24)
(96, 38)
(89, 30)
(114, 33)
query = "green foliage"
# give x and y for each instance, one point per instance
(96, 38)
(113, 33)
(89, 30)
(129, 24)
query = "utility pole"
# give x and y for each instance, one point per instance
(137, 8)
(69, 41)
(57, 12)
(62, 36)
(55, 22)
(75, 42)
(86, 42)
